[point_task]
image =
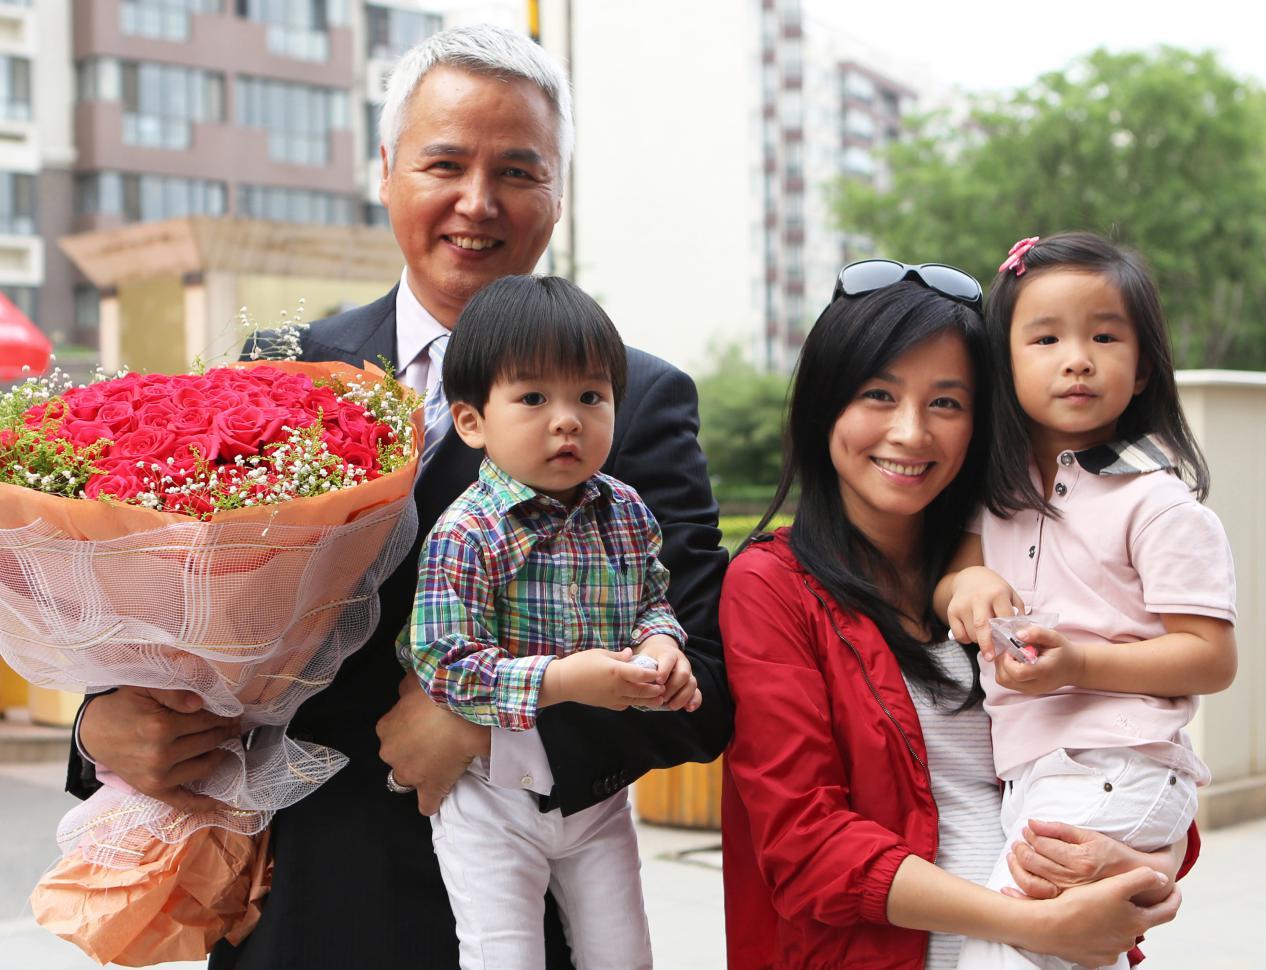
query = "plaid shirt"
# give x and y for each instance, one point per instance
(510, 579)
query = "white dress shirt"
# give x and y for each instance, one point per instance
(518, 757)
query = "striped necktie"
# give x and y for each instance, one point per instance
(435, 414)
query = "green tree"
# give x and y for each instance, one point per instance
(1164, 152)
(740, 415)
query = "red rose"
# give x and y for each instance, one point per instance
(321, 400)
(243, 430)
(145, 444)
(156, 414)
(289, 389)
(355, 453)
(118, 416)
(83, 433)
(189, 398)
(83, 403)
(191, 420)
(120, 482)
(191, 449)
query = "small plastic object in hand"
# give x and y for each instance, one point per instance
(1004, 629)
(647, 663)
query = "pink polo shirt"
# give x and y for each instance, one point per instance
(1129, 547)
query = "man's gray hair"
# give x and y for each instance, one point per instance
(481, 49)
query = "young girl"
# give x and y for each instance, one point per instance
(1089, 518)
(860, 796)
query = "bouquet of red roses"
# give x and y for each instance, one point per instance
(225, 533)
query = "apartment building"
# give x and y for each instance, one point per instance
(22, 251)
(709, 136)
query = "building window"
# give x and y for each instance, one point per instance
(162, 19)
(371, 130)
(87, 312)
(294, 205)
(15, 88)
(858, 86)
(297, 117)
(376, 215)
(144, 198)
(390, 31)
(296, 28)
(161, 102)
(25, 298)
(17, 204)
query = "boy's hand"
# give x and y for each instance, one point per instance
(681, 690)
(600, 678)
(1060, 663)
(979, 594)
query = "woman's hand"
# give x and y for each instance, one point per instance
(1093, 925)
(1054, 856)
(979, 594)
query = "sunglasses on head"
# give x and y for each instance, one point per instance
(868, 275)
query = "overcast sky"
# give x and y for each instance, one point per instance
(980, 45)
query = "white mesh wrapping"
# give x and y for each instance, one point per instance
(255, 618)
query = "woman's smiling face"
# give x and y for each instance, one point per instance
(903, 437)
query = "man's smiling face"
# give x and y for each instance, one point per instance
(476, 187)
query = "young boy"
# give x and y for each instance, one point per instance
(540, 585)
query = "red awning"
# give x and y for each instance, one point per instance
(21, 344)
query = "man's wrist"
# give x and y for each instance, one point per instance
(79, 717)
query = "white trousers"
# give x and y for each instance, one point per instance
(499, 854)
(1116, 791)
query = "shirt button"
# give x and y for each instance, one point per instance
(526, 781)
(1032, 551)
(1066, 458)
(1061, 488)
(574, 590)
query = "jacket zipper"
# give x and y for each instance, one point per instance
(865, 676)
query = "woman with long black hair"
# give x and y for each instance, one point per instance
(860, 800)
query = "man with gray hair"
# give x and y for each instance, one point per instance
(476, 138)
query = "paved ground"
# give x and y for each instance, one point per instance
(1219, 928)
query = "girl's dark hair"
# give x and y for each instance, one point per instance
(529, 326)
(1154, 410)
(854, 339)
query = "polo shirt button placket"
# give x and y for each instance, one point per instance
(1066, 458)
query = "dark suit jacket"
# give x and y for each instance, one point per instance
(355, 882)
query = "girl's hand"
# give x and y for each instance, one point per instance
(1093, 925)
(1060, 663)
(979, 594)
(1054, 856)
(600, 678)
(681, 690)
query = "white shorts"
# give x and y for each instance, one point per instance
(1117, 791)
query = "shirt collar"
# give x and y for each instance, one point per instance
(415, 327)
(508, 492)
(1134, 456)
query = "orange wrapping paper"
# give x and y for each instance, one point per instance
(173, 905)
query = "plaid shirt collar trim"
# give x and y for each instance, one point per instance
(507, 492)
(1136, 456)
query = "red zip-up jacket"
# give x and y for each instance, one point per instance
(826, 785)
